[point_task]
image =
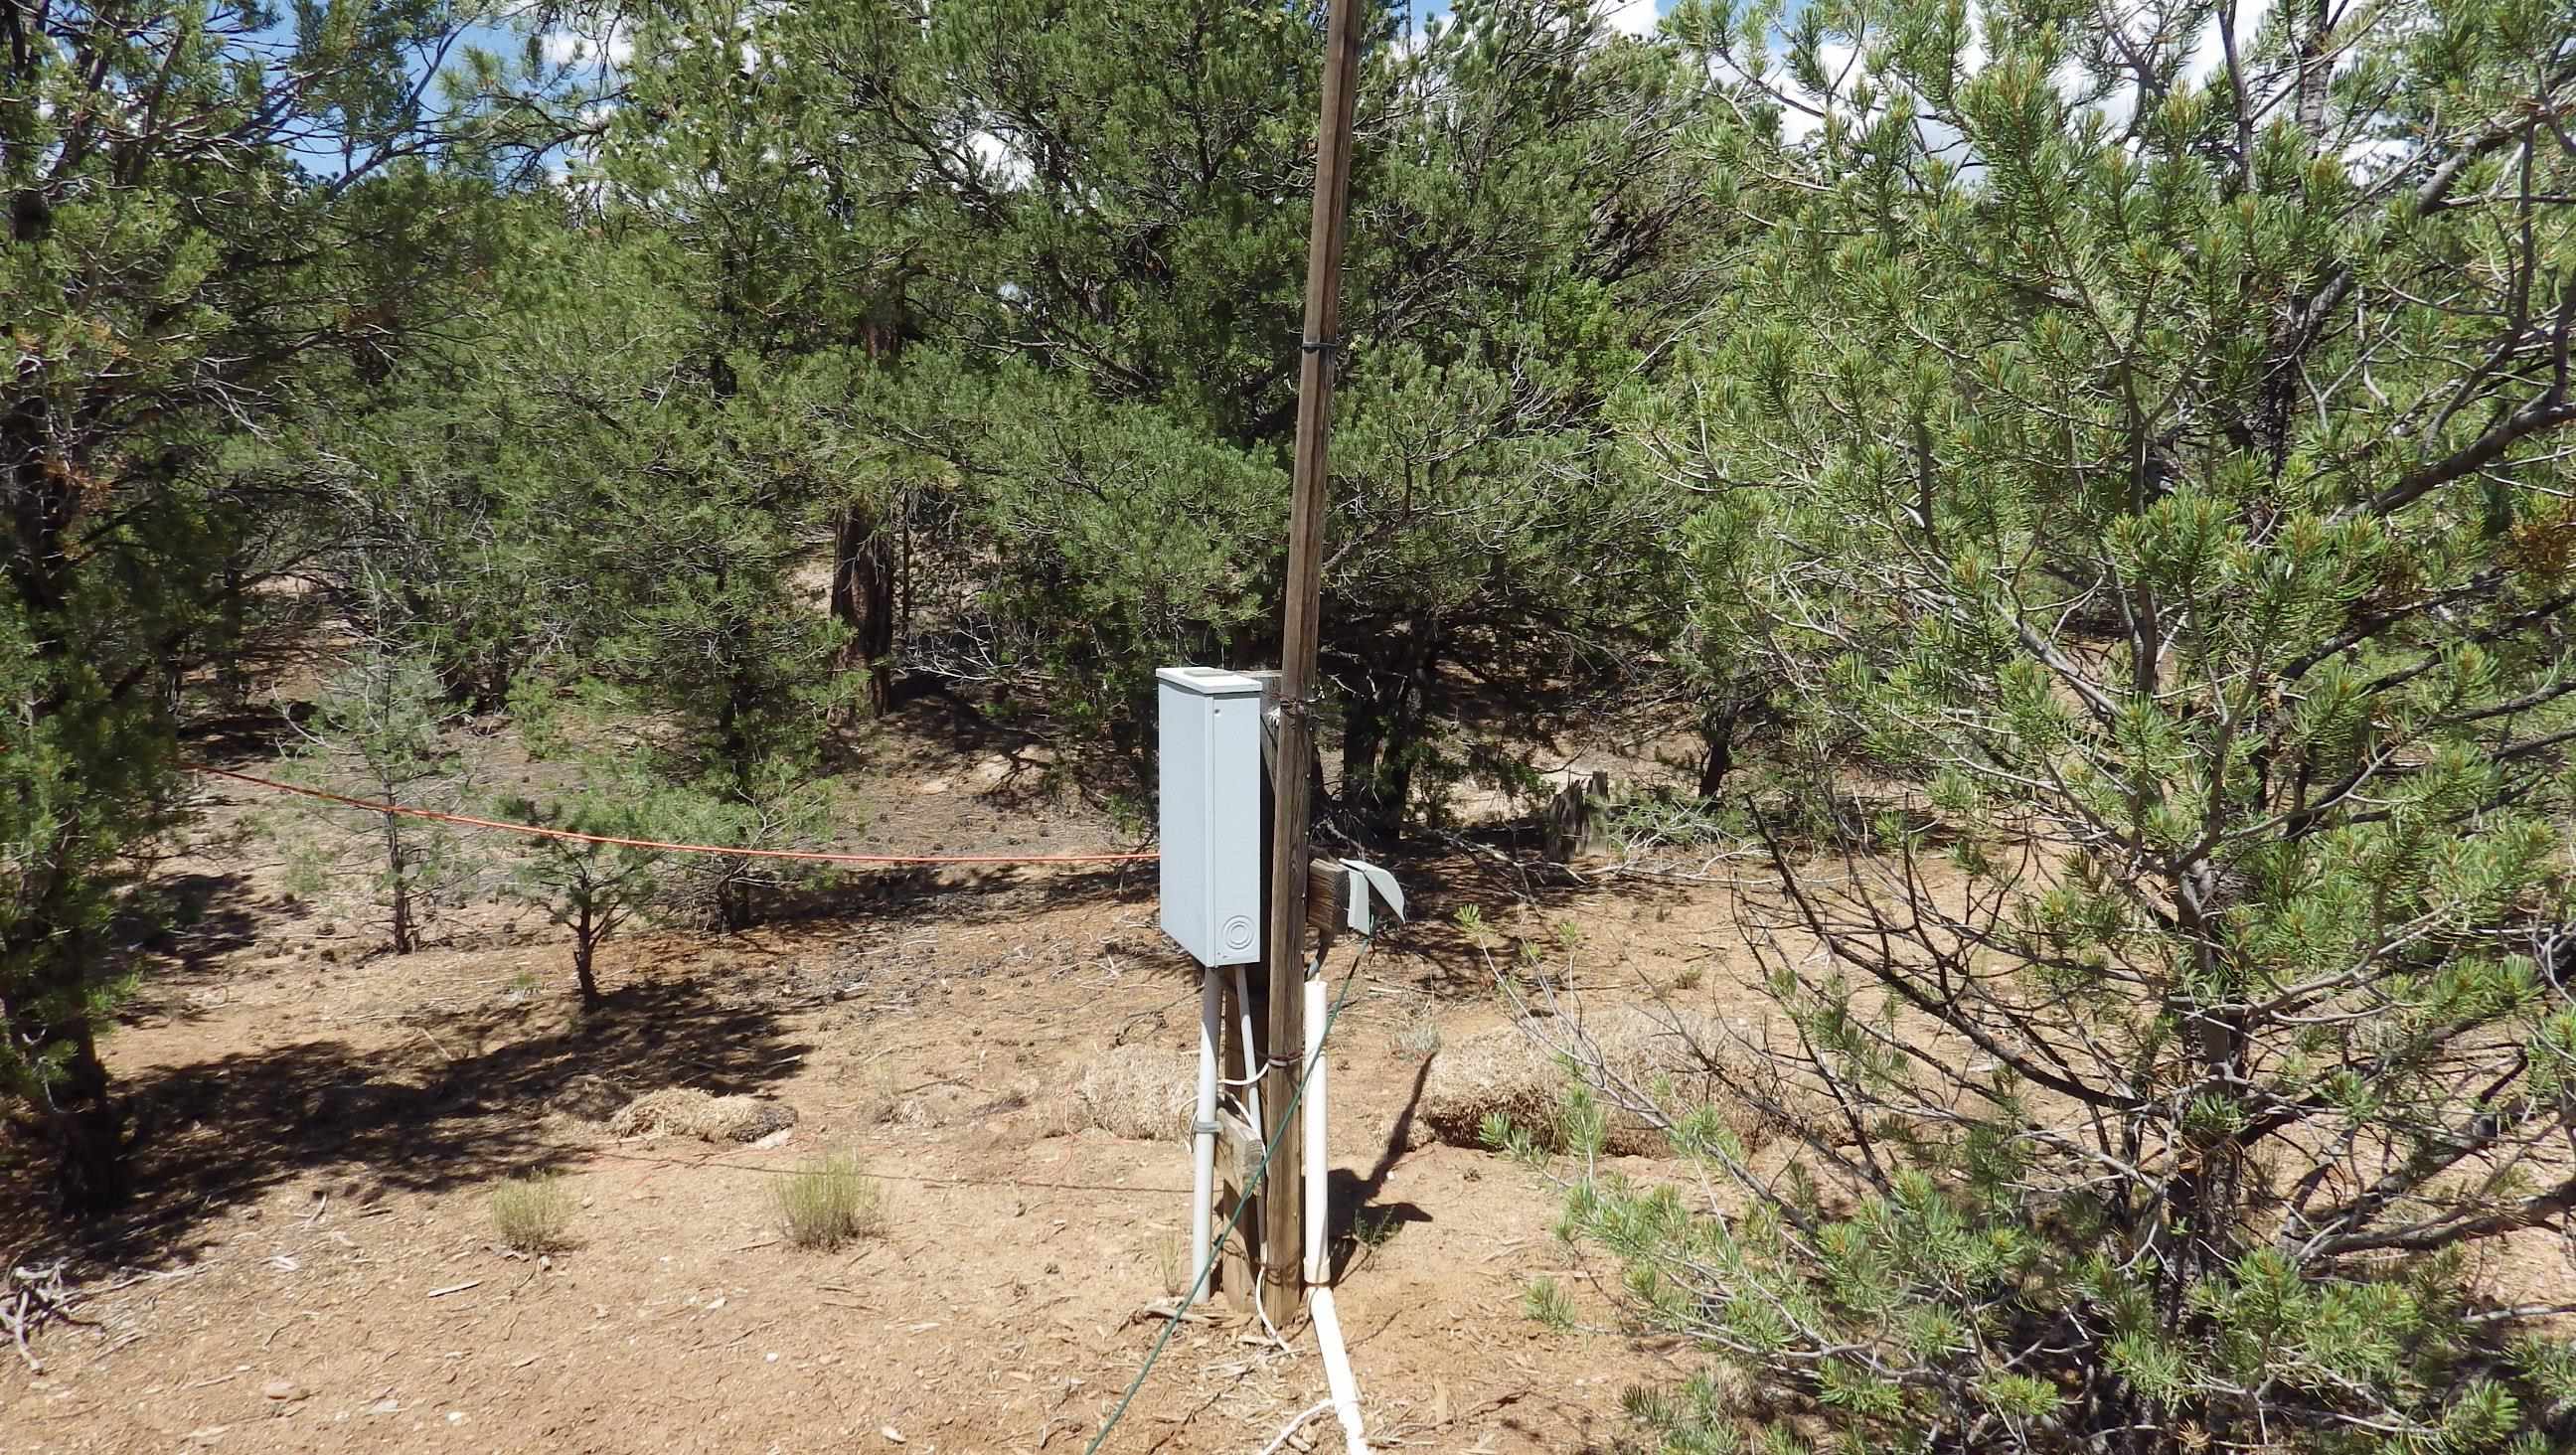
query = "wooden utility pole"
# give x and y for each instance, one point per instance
(1285, 1213)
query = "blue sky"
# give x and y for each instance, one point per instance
(1637, 17)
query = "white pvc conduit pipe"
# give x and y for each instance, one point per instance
(1251, 1074)
(1319, 1179)
(1203, 1136)
(1319, 1297)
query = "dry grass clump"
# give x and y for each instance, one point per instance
(1172, 1263)
(1662, 1055)
(874, 1099)
(1419, 1041)
(830, 1201)
(533, 1214)
(1143, 1093)
(1498, 1072)
(682, 1112)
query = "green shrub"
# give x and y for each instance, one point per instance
(2185, 1023)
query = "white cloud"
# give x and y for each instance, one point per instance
(1630, 17)
(2073, 83)
(565, 47)
(1834, 57)
(2375, 157)
(2205, 64)
(2209, 51)
(2070, 79)
(999, 157)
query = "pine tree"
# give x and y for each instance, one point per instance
(797, 238)
(591, 890)
(657, 496)
(181, 275)
(382, 730)
(1527, 236)
(2142, 435)
(1087, 227)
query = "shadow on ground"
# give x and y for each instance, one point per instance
(459, 1104)
(876, 898)
(183, 933)
(254, 735)
(1361, 1217)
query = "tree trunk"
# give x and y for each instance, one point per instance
(47, 964)
(398, 867)
(1382, 732)
(863, 579)
(585, 941)
(87, 1129)
(735, 720)
(736, 909)
(1364, 732)
(231, 678)
(2315, 24)
(78, 1117)
(1717, 736)
(864, 568)
(83, 1125)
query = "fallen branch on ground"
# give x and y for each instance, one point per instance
(31, 1298)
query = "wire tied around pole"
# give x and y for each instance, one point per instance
(1307, 709)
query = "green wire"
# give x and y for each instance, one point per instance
(1260, 1175)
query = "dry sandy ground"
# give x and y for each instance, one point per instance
(313, 1267)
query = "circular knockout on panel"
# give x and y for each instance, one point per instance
(1238, 933)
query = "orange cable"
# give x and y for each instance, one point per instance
(534, 831)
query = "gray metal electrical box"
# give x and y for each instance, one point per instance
(1374, 897)
(1211, 790)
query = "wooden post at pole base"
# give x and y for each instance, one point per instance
(1277, 1295)
(1238, 1154)
(1301, 609)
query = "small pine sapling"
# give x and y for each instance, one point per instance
(777, 808)
(381, 732)
(590, 889)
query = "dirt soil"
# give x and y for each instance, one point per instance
(314, 1266)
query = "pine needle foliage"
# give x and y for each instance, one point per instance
(590, 890)
(221, 219)
(2140, 461)
(382, 731)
